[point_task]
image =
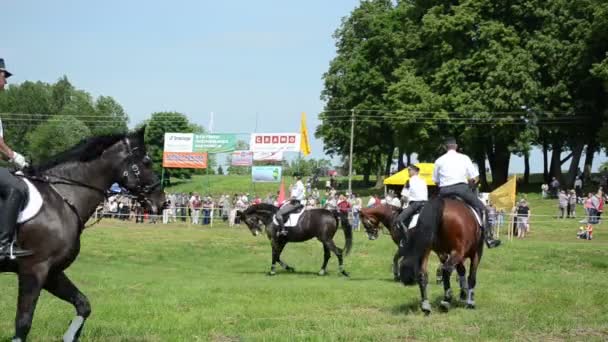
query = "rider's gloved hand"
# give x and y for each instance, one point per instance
(19, 160)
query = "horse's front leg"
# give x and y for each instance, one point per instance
(61, 286)
(423, 281)
(31, 279)
(280, 246)
(396, 266)
(275, 257)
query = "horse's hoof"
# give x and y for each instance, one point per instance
(396, 278)
(463, 295)
(470, 306)
(322, 272)
(444, 305)
(290, 269)
(272, 273)
(426, 308)
(344, 273)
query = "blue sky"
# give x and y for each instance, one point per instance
(234, 58)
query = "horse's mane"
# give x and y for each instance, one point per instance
(86, 150)
(262, 207)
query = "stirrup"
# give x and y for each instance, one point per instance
(11, 254)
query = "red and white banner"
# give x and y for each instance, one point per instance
(268, 156)
(275, 142)
(188, 160)
(242, 158)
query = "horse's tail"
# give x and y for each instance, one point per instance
(348, 237)
(419, 240)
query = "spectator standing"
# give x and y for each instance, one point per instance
(554, 187)
(600, 206)
(196, 204)
(523, 216)
(572, 204)
(593, 212)
(544, 191)
(166, 209)
(357, 205)
(139, 213)
(578, 186)
(344, 209)
(562, 202)
(492, 215)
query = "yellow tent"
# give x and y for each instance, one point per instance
(399, 178)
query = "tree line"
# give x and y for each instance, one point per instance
(41, 120)
(502, 76)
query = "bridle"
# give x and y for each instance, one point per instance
(133, 168)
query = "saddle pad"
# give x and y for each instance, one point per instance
(292, 220)
(33, 205)
(475, 214)
(414, 219)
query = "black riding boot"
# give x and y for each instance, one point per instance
(488, 232)
(9, 211)
(282, 231)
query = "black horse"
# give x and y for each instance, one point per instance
(314, 223)
(72, 185)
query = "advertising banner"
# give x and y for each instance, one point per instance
(267, 174)
(178, 142)
(242, 158)
(275, 142)
(214, 143)
(187, 160)
(268, 156)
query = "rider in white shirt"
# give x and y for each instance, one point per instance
(298, 193)
(454, 173)
(417, 194)
(13, 193)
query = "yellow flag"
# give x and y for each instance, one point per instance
(304, 145)
(504, 196)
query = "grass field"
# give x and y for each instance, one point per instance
(217, 185)
(179, 283)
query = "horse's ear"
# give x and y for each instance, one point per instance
(141, 132)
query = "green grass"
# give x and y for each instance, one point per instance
(217, 185)
(180, 283)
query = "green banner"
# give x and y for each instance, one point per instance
(214, 143)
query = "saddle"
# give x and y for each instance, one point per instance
(475, 213)
(33, 202)
(292, 219)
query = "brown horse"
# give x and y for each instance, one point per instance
(449, 228)
(385, 214)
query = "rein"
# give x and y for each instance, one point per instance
(67, 181)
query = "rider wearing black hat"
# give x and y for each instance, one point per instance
(453, 173)
(13, 192)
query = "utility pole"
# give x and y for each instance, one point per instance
(350, 157)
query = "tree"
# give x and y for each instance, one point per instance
(28, 105)
(112, 117)
(44, 142)
(357, 79)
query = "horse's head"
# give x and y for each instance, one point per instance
(135, 170)
(371, 222)
(253, 222)
(257, 216)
